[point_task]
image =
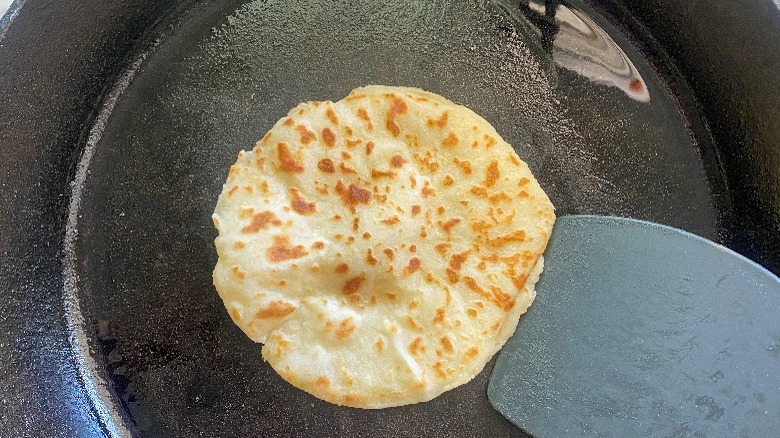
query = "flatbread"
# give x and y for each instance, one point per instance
(381, 247)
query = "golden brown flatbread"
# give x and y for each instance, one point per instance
(381, 247)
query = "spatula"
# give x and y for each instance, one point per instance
(640, 329)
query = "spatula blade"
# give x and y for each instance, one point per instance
(640, 329)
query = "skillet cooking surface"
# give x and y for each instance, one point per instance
(144, 252)
(143, 314)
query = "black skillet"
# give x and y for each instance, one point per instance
(108, 320)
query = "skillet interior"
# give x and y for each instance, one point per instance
(144, 230)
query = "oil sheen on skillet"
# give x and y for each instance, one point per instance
(174, 363)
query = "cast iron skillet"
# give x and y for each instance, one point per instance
(191, 372)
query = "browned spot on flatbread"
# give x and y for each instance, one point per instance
(246, 212)
(480, 225)
(453, 276)
(322, 382)
(346, 169)
(376, 174)
(438, 369)
(427, 161)
(326, 165)
(397, 106)
(472, 284)
(301, 204)
(287, 162)
(281, 344)
(471, 353)
(262, 221)
(498, 297)
(497, 242)
(352, 195)
(331, 116)
(441, 122)
(392, 220)
(328, 137)
(451, 140)
(414, 324)
(499, 198)
(457, 260)
(439, 315)
(397, 161)
(235, 315)
(276, 309)
(447, 344)
(479, 191)
(282, 250)
(416, 346)
(370, 147)
(238, 273)
(442, 248)
(345, 328)
(492, 174)
(370, 259)
(353, 284)
(464, 165)
(448, 225)
(413, 266)
(363, 114)
(307, 136)
(501, 299)
(427, 190)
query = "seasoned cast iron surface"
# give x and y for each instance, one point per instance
(145, 250)
(56, 60)
(160, 335)
(730, 54)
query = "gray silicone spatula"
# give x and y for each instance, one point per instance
(639, 329)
